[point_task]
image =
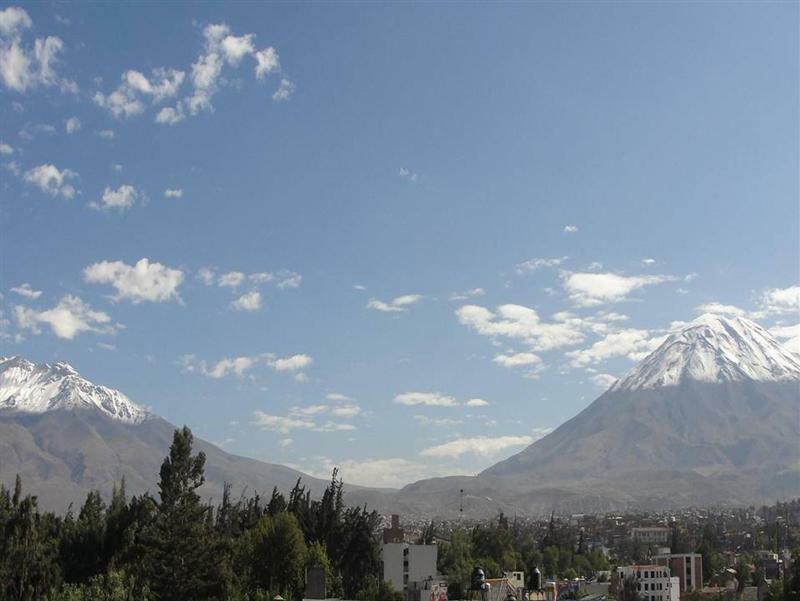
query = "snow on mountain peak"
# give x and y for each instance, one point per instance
(36, 388)
(715, 349)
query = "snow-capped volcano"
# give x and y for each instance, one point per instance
(100, 437)
(708, 417)
(715, 349)
(30, 388)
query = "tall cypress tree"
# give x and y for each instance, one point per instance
(181, 549)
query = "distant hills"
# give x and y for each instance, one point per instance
(711, 417)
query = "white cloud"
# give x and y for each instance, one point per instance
(459, 296)
(538, 263)
(106, 134)
(72, 125)
(521, 323)
(263, 277)
(591, 289)
(232, 279)
(407, 174)
(239, 366)
(309, 410)
(396, 305)
(293, 363)
(12, 20)
(267, 62)
(250, 301)
(285, 91)
(477, 403)
(631, 343)
(300, 418)
(346, 410)
(5, 149)
(22, 66)
(531, 361)
(67, 319)
(206, 276)
(289, 280)
(27, 291)
(604, 381)
(781, 300)
(13, 167)
(173, 193)
(431, 399)
(50, 180)
(280, 423)
(481, 445)
(720, 309)
(439, 422)
(229, 366)
(789, 336)
(335, 396)
(540, 432)
(144, 281)
(135, 89)
(170, 115)
(221, 49)
(235, 48)
(570, 229)
(30, 130)
(517, 359)
(648, 261)
(122, 198)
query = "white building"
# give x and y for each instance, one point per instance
(404, 563)
(654, 582)
(516, 579)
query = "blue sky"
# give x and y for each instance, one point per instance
(406, 239)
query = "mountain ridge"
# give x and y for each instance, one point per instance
(710, 417)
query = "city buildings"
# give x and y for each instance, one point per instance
(688, 567)
(404, 563)
(651, 536)
(654, 582)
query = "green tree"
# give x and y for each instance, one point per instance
(278, 554)
(85, 540)
(317, 556)
(29, 567)
(550, 562)
(360, 554)
(455, 561)
(181, 551)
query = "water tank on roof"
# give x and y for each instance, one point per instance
(536, 579)
(477, 580)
